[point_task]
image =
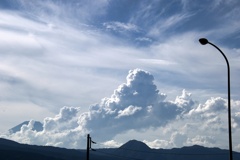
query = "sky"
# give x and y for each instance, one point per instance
(119, 70)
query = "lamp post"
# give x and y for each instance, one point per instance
(204, 41)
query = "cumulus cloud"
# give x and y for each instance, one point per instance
(128, 111)
(213, 112)
(211, 106)
(236, 118)
(158, 143)
(65, 120)
(137, 101)
(177, 139)
(111, 144)
(135, 105)
(236, 114)
(202, 140)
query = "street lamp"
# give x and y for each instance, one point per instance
(204, 41)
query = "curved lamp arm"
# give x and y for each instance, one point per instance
(204, 41)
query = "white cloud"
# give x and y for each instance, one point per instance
(164, 24)
(128, 111)
(212, 106)
(122, 102)
(111, 144)
(120, 27)
(158, 144)
(236, 118)
(112, 116)
(178, 139)
(202, 140)
(64, 11)
(144, 39)
(42, 60)
(66, 119)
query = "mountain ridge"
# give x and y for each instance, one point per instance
(13, 150)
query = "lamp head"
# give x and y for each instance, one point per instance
(203, 41)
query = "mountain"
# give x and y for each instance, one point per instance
(10, 150)
(137, 145)
(133, 148)
(38, 126)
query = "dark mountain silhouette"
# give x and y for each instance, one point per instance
(38, 126)
(10, 150)
(133, 148)
(137, 145)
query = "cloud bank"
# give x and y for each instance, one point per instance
(135, 105)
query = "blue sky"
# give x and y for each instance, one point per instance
(80, 65)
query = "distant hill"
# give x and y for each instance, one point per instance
(136, 150)
(137, 145)
(10, 150)
(38, 126)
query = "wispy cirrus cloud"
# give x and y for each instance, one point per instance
(120, 27)
(61, 10)
(163, 25)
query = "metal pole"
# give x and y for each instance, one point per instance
(88, 140)
(204, 41)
